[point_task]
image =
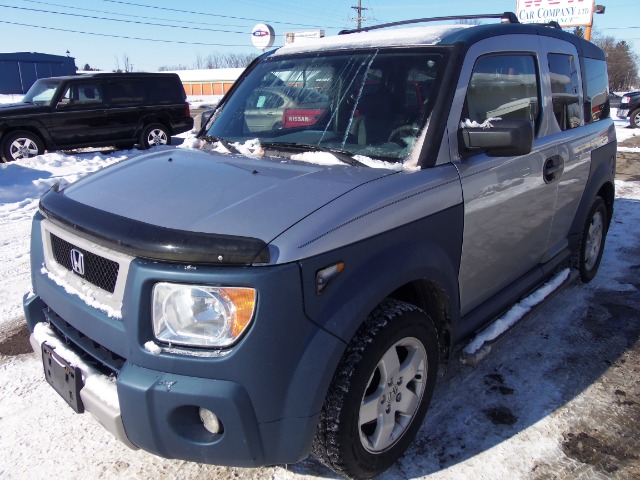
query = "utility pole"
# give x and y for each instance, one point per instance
(598, 9)
(359, 9)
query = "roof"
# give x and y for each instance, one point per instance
(429, 35)
(33, 57)
(210, 74)
(110, 75)
(437, 35)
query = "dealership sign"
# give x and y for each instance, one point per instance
(262, 36)
(568, 13)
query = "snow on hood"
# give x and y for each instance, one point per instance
(252, 148)
(209, 192)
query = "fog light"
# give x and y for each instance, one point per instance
(210, 421)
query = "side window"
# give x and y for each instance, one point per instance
(595, 72)
(164, 91)
(82, 94)
(122, 92)
(565, 90)
(503, 86)
(262, 100)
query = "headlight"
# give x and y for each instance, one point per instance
(625, 100)
(201, 316)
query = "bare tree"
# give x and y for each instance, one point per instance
(128, 66)
(200, 62)
(622, 62)
(215, 60)
(469, 21)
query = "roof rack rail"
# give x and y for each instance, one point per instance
(506, 17)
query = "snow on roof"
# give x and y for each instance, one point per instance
(210, 75)
(379, 38)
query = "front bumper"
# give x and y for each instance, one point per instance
(169, 425)
(159, 411)
(99, 394)
(267, 391)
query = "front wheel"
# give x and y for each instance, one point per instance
(155, 134)
(634, 118)
(380, 393)
(592, 240)
(21, 144)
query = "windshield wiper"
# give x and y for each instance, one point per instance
(223, 142)
(343, 155)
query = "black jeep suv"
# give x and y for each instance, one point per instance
(630, 108)
(94, 110)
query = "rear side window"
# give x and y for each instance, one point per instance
(595, 72)
(122, 92)
(565, 90)
(504, 86)
(164, 91)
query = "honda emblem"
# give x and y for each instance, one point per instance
(77, 261)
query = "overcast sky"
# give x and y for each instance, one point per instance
(165, 32)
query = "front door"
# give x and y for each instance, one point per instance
(80, 116)
(509, 205)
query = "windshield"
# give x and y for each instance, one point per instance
(41, 92)
(370, 103)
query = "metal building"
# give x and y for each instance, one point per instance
(18, 71)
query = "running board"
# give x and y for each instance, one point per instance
(481, 344)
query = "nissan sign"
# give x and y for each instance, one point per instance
(262, 36)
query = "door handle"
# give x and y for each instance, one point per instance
(553, 168)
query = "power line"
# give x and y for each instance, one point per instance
(124, 36)
(137, 22)
(214, 14)
(128, 15)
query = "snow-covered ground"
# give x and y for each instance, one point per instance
(508, 417)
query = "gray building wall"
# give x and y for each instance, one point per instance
(18, 71)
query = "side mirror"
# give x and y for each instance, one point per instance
(205, 117)
(64, 102)
(500, 138)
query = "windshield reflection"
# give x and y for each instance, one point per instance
(371, 103)
(41, 92)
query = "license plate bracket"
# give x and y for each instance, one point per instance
(65, 378)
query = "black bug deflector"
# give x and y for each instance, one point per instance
(150, 241)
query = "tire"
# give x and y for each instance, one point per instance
(634, 118)
(380, 392)
(592, 240)
(21, 144)
(155, 134)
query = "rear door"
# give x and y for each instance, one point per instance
(574, 139)
(126, 107)
(80, 115)
(509, 206)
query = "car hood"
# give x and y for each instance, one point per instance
(17, 108)
(196, 191)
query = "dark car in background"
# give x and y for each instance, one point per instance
(94, 110)
(630, 108)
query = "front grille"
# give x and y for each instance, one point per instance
(99, 271)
